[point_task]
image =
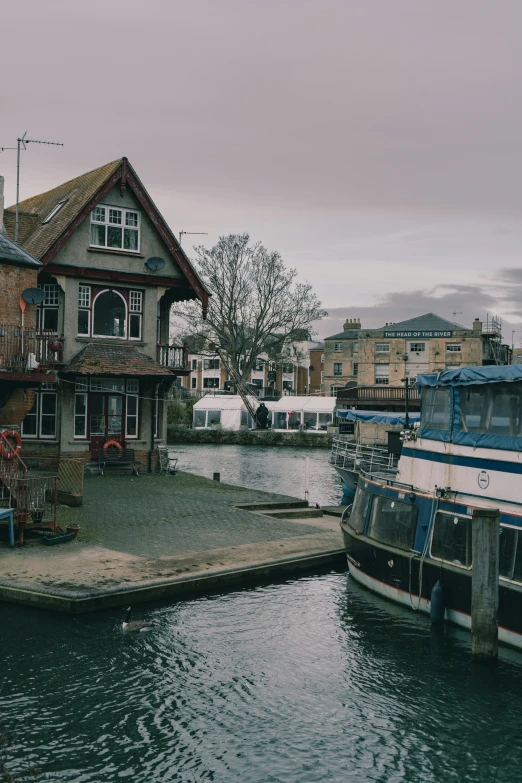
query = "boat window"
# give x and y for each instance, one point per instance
(392, 522)
(452, 539)
(494, 410)
(357, 518)
(508, 552)
(200, 418)
(436, 408)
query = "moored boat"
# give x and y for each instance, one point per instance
(405, 533)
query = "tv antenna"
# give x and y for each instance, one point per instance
(21, 142)
(200, 233)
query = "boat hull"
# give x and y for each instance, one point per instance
(349, 482)
(399, 577)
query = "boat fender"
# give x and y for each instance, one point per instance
(438, 605)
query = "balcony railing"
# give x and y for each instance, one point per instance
(381, 394)
(173, 357)
(24, 349)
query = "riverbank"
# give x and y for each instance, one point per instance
(156, 536)
(300, 439)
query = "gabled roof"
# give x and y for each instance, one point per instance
(13, 255)
(80, 195)
(107, 359)
(423, 323)
(348, 334)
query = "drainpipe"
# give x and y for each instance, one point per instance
(153, 424)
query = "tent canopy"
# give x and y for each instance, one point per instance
(223, 402)
(319, 404)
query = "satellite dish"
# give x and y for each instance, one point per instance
(34, 296)
(155, 263)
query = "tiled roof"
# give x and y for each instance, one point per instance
(348, 334)
(14, 255)
(38, 237)
(107, 359)
(423, 323)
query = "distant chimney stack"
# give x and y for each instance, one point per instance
(477, 325)
(352, 323)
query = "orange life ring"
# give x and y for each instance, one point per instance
(112, 443)
(11, 452)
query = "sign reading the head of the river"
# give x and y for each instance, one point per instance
(418, 334)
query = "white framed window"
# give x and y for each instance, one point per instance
(47, 313)
(81, 384)
(115, 228)
(453, 347)
(108, 385)
(194, 365)
(338, 368)
(193, 383)
(355, 369)
(210, 383)
(417, 347)
(382, 347)
(109, 314)
(338, 347)
(382, 374)
(84, 296)
(131, 415)
(135, 316)
(54, 211)
(322, 377)
(80, 415)
(211, 364)
(333, 390)
(133, 386)
(40, 421)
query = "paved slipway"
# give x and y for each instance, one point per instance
(153, 537)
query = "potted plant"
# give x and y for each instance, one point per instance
(215, 424)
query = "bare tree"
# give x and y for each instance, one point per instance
(257, 305)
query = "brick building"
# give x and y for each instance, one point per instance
(374, 363)
(110, 270)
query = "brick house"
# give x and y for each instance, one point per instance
(110, 270)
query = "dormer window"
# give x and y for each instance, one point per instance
(115, 228)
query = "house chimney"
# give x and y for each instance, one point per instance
(1, 204)
(477, 325)
(352, 323)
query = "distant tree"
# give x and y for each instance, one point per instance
(256, 306)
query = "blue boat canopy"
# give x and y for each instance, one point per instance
(470, 376)
(376, 417)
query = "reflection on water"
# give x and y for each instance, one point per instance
(308, 680)
(270, 468)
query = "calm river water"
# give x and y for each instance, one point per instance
(307, 680)
(270, 468)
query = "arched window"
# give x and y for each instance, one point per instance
(110, 315)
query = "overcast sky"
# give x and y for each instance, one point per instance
(375, 143)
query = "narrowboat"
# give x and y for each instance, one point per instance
(405, 533)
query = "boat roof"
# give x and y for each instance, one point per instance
(469, 376)
(378, 417)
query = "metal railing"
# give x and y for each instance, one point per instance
(371, 457)
(378, 394)
(23, 349)
(173, 357)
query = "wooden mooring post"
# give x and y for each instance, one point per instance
(485, 545)
(216, 477)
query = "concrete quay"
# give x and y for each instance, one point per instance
(159, 537)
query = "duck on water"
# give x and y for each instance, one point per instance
(404, 533)
(136, 626)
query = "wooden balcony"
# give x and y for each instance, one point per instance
(26, 350)
(379, 396)
(173, 357)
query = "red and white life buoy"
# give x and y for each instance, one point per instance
(6, 450)
(110, 443)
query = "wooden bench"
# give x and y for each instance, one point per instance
(116, 459)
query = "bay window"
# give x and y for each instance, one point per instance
(115, 228)
(110, 312)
